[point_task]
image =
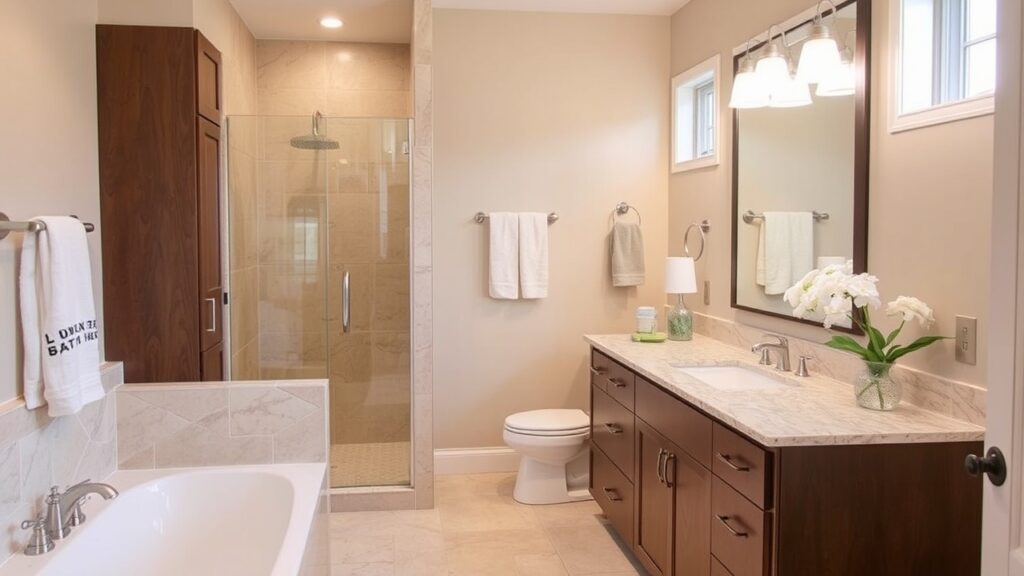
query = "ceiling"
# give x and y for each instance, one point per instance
(647, 7)
(365, 20)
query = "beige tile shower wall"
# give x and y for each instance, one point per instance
(928, 226)
(349, 79)
(540, 112)
(221, 424)
(37, 452)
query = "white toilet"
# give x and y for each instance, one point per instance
(555, 464)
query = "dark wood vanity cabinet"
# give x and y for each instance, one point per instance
(159, 111)
(695, 497)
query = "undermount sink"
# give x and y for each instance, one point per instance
(731, 378)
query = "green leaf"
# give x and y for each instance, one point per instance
(894, 334)
(877, 341)
(848, 344)
(897, 353)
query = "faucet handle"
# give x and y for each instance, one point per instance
(40, 543)
(801, 368)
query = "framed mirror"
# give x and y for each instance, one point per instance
(800, 162)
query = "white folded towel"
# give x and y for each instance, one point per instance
(58, 318)
(533, 254)
(504, 259)
(627, 255)
(785, 250)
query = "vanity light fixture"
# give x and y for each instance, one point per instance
(792, 93)
(842, 80)
(774, 65)
(331, 22)
(820, 54)
(747, 89)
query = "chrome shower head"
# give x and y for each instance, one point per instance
(314, 141)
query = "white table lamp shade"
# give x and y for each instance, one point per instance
(680, 277)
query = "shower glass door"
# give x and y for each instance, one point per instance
(320, 276)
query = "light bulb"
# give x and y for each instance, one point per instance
(747, 89)
(818, 59)
(791, 94)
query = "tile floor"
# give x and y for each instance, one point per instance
(478, 530)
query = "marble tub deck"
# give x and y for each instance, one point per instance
(803, 412)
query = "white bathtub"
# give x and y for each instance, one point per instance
(244, 520)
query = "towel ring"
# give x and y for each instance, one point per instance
(704, 227)
(623, 208)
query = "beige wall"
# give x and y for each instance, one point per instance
(347, 79)
(930, 191)
(48, 163)
(539, 112)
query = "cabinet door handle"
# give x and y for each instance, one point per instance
(213, 314)
(617, 382)
(598, 371)
(661, 463)
(725, 522)
(727, 459)
(670, 479)
(613, 429)
(346, 303)
(612, 495)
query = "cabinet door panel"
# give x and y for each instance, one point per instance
(212, 368)
(613, 378)
(739, 531)
(208, 80)
(211, 296)
(654, 534)
(743, 465)
(613, 492)
(692, 484)
(676, 420)
(612, 429)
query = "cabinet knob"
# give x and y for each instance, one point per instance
(993, 465)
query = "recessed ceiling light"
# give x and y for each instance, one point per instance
(331, 22)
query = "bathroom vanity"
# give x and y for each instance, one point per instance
(783, 476)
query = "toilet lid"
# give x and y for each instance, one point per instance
(551, 420)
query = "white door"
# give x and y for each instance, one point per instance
(1002, 545)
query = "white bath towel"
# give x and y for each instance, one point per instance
(58, 318)
(504, 259)
(785, 250)
(627, 255)
(533, 254)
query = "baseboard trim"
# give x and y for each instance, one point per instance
(475, 460)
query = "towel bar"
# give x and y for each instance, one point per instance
(749, 216)
(481, 217)
(7, 226)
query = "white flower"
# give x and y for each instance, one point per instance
(833, 291)
(911, 309)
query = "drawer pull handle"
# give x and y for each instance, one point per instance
(613, 429)
(725, 522)
(670, 478)
(662, 453)
(612, 495)
(598, 371)
(617, 382)
(727, 459)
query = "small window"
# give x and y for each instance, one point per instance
(945, 63)
(695, 117)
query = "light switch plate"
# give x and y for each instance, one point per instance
(967, 340)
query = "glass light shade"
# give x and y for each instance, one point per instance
(773, 71)
(818, 59)
(680, 276)
(792, 94)
(841, 82)
(747, 89)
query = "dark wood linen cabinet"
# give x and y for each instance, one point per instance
(159, 111)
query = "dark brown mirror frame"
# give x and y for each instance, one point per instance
(862, 118)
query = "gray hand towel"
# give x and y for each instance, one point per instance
(627, 255)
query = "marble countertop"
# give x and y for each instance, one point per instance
(803, 412)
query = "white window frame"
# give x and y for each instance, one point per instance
(981, 105)
(684, 126)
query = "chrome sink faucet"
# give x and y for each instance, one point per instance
(64, 511)
(781, 347)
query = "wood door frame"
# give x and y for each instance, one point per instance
(1001, 554)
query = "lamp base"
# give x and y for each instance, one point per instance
(680, 323)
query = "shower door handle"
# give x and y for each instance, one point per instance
(346, 303)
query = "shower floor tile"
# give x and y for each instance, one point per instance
(370, 464)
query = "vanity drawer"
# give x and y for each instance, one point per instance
(739, 531)
(613, 378)
(743, 465)
(675, 419)
(611, 428)
(717, 569)
(613, 492)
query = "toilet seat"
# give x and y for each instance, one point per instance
(549, 422)
(550, 433)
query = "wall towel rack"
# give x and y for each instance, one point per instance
(482, 217)
(750, 217)
(622, 208)
(7, 226)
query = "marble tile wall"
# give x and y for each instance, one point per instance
(37, 452)
(230, 423)
(959, 400)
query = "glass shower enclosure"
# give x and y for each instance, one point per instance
(319, 262)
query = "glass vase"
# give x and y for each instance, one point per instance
(680, 322)
(875, 388)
